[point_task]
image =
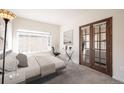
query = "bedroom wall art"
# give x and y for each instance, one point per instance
(68, 37)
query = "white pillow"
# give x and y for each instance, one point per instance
(11, 63)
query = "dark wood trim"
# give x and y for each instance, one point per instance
(108, 69)
(91, 45)
(96, 22)
(80, 48)
(109, 47)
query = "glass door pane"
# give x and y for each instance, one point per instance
(86, 44)
(100, 44)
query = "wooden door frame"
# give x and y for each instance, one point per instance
(108, 48)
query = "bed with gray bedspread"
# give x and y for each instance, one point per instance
(40, 65)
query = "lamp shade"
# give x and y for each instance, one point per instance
(6, 14)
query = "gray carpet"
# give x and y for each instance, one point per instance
(76, 74)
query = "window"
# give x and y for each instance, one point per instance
(33, 41)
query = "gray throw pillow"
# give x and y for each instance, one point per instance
(23, 62)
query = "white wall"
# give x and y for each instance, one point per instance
(9, 35)
(118, 37)
(27, 24)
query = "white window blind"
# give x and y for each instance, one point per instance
(33, 41)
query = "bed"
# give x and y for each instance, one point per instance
(40, 65)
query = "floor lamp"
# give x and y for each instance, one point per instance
(7, 16)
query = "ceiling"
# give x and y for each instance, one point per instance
(58, 17)
(55, 16)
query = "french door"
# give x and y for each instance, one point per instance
(96, 45)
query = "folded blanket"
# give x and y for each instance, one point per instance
(46, 66)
